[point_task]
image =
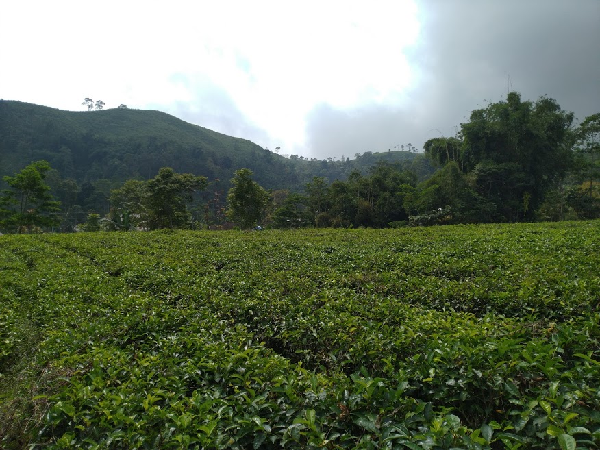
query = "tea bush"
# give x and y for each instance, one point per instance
(476, 337)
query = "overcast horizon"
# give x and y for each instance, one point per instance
(315, 79)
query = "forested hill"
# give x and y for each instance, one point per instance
(118, 144)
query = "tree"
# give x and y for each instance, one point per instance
(318, 197)
(448, 191)
(587, 146)
(579, 196)
(343, 203)
(247, 200)
(27, 203)
(516, 151)
(386, 181)
(89, 103)
(442, 150)
(167, 198)
(293, 213)
(66, 191)
(128, 205)
(92, 223)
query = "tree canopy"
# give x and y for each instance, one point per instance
(167, 195)
(28, 203)
(513, 152)
(513, 160)
(247, 200)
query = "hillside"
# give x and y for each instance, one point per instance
(118, 144)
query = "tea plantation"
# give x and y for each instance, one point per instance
(462, 337)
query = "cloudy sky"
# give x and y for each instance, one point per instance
(316, 78)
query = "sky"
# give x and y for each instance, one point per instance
(320, 79)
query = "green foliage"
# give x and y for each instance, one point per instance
(92, 223)
(293, 213)
(167, 195)
(517, 150)
(129, 205)
(123, 143)
(443, 150)
(584, 196)
(318, 196)
(514, 154)
(476, 337)
(247, 200)
(27, 204)
(447, 197)
(373, 200)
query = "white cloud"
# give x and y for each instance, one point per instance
(285, 73)
(275, 60)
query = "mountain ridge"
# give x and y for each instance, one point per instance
(121, 143)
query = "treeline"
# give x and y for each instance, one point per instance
(516, 161)
(513, 161)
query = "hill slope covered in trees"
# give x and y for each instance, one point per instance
(119, 144)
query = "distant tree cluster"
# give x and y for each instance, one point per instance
(512, 161)
(98, 105)
(373, 200)
(161, 202)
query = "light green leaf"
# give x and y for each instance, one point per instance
(67, 408)
(546, 407)
(553, 430)
(208, 428)
(310, 416)
(570, 417)
(587, 358)
(579, 430)
(453, 421)
(567, 442)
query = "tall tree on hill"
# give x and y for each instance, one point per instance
(27, 203)
(513, 153)
(167, 198)
(89, 103)
(247, 200)
(98, 105)
(516, 151)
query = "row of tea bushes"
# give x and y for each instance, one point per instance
(445, 337)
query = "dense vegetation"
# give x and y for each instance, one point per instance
(96, 151)
(513, 161)
(473, 337)
(510, 158)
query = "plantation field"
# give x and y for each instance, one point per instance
(470, 337)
